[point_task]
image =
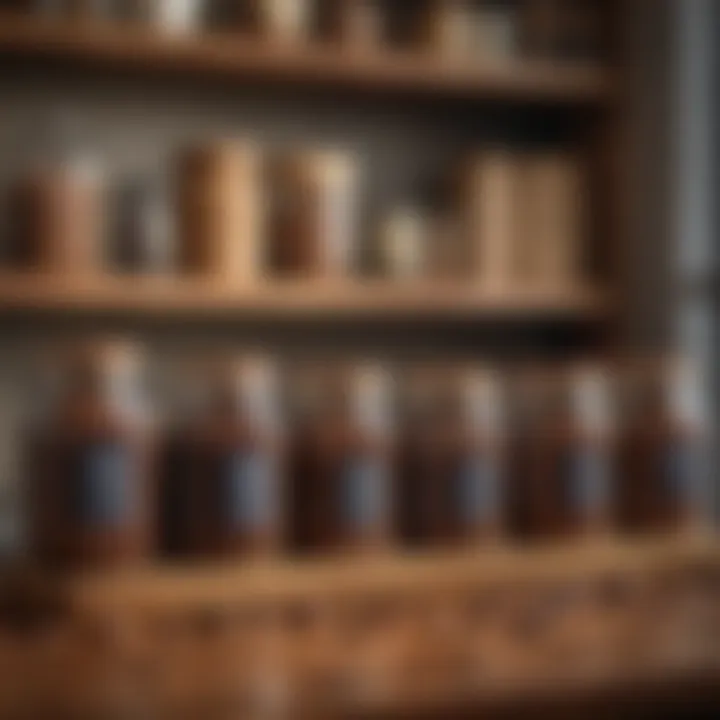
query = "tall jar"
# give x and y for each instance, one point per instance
(91, 476)
(313, 214)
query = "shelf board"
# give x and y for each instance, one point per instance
(222, 54)
(195, 585)
(294, 298)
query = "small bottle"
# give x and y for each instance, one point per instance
(662, 445)
(313, 214)
(91, 476)
(342, 498)
(473, 442)
(236, 465)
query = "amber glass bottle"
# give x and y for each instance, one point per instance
(473, 465)
(342, 461)
(661, 486)
(90, 489)
(564, 454)
(236, 465)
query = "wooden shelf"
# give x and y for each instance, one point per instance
(192, 586)
(292, 298)
(140, 50)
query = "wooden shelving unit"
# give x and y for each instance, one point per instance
(118, 622)
(229, 56)
(293, 298)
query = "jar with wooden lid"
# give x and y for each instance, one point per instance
(91, 464)
(342, 464)
(219, 205)
(472, 435)
(237, 464)
(313, 214)
(420, 471)
(662, 442)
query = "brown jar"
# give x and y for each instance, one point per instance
(57, 218)
(313, 218)
(219, 212)
(236, 465)
(563, 454)
(661, 448)
(342, 461)
(472, 438)
(90, 489)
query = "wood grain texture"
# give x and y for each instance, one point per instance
(293, 298)
(178, 587)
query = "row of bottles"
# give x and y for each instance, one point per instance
(470, 31)
(346, 458)
(235, 215)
